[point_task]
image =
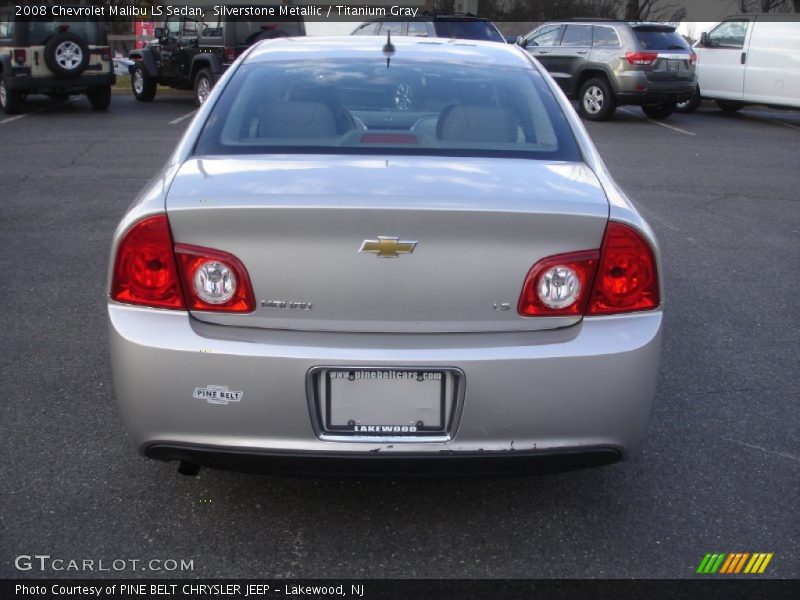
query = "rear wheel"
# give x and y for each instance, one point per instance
(658, 111)
(10, 100)
(202, 86)
(729, 105)
(690, 105)
(143, 86)
(596, 101)
(100, 97)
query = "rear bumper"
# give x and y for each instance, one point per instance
(633, 87)
(24, 83)
(576, 390)
(257, 460)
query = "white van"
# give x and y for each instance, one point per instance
(749, 59)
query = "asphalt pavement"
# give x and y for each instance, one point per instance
(718, 472)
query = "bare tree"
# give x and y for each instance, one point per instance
(772, 6)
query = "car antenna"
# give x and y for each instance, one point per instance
(388, 48)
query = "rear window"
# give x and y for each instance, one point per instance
(468, 30)
(41, 30)
(660, 39)
(250, 32)
(363, 107)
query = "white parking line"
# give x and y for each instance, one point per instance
(678, 129)
(183, 118)
(9, 119)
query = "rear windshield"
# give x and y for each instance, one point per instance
(41, 30)
(363, 107)
(660, 39)
(250, 32)
(468, 30)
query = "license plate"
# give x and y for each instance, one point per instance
(673, 65)
(386, 402)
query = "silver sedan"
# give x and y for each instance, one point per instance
(323, 275)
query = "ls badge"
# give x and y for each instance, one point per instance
(388, 247)
(217, 394)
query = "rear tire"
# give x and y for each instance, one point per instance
(10, 101)
(691, 105)
(658, 111)
(596, 100)
(202, 86)
(100, 97)
(143, 86)
(729, 105)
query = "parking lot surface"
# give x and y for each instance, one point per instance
(718, 472)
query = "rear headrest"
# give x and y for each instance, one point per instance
(467, 123)
(296, 120)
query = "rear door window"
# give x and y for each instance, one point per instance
(468, 30)
(250, 32)
(417, 29)
(394, 27)
(367, 29)
(604, 36)
(577, 35)
(659, 38)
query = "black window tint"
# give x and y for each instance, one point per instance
(729, 34)
(547, 36)
(660, 39)
(577, 35)
(468, 30)
(605, 36)
(211, 28)
(42, 30)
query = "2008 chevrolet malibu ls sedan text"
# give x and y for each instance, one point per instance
(323, 275)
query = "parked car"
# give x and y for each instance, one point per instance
(465, 27)
(311, 280)
(749, 59)
(604, 64)
(60, 58)
(192, 55)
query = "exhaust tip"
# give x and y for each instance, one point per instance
(189, 469)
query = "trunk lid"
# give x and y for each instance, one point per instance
(298, 222)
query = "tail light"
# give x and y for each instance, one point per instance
(147, 273)
(558, 285)
(621, 277)
(641, 58)
(144, 268)
(20, 55)
(214, 280)
(627, 278)
(693, 59)
(105, 53)
(230, 54)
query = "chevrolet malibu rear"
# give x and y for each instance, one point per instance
(322, 277)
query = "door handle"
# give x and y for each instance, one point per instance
(744, 58)
(543, 51)
(583, 52)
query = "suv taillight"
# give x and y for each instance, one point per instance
(622, 277)
(147, 273)
(20, 55)
(230, 54)
(693, 59)
(105, 54)
(641, 58)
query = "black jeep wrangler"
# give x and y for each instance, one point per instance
(45, 55)
(191, 54)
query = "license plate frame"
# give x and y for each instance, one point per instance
(673, 64)
(325, 385)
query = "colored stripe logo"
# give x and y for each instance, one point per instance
(734, 563)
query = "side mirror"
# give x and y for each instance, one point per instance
(704, 38)
(160, 32)
(520, 41)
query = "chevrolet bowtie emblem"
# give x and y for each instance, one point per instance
(388, 247)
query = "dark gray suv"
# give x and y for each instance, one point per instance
(604, 64)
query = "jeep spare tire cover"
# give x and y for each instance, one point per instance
(67, 54)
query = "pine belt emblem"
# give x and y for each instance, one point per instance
(388, 247)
